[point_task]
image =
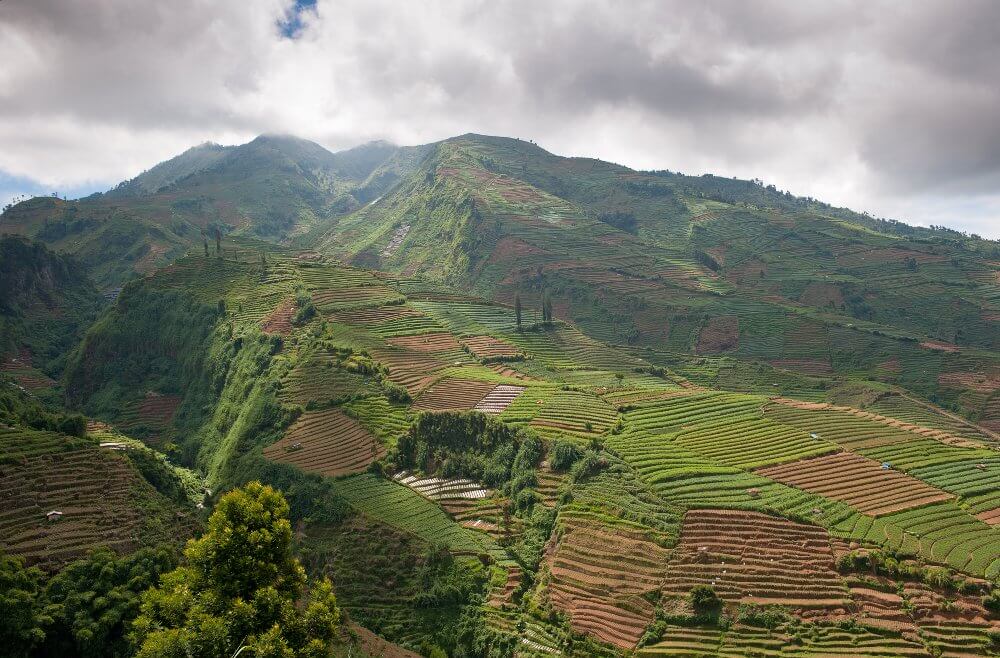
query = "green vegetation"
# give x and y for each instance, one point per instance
(553, 406)
(239, 587)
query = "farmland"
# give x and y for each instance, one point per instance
(717, 406)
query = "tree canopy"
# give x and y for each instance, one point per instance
(239, 590)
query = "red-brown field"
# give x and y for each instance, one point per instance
(430, 343)
(598, 576)
(859, 482)
(412, 370)
(280, 320)
(992, 517)
(377, 647)
(720, 334)
(750, 557)
(157, 409)
(452, 394)
(484, 347)
(326, 442)
(96, 492)
(376, 315)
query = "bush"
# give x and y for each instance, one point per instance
(562, 455)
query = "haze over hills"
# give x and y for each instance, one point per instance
(518, 404)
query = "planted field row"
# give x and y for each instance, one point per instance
(412, 370)
(598, 576)
(499, 399)
(942, 533)
(862, 483)
(756, 558)
(328, 443)
(316, 377)
(280, 320)
(398, 506)
(439, 342)
(18, 443)
(332, 300)
(484, 347)
(809, 642)
(674, 414)
(466, 501)
(574, 413)
(94, 493)
(451, 394)
(749, 441)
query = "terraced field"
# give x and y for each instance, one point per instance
(498, 399)
(599, 575)
(755, 558)
(95, 493)
(452, 394)
(328, 443)
(572, 413)
(862, 483)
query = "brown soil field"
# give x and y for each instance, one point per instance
(991, 517)
(158, 408)
(280, 320)
(719, 334)
(452, 394)
(376, 315)
(487, 346)
(980, 383)
(859, 482)
(750, 557)
(412, 370)
(822, 294)
(598, 575)
(429, 343)
(939, 346)
(326, 442)
(96, 492)
(378, 647)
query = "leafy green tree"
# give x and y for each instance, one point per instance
(22, 619)
(240, 590)
(92, 601)
(517, 310)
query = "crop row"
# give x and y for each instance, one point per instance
(328, 443)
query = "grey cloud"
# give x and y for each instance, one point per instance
(863, 103)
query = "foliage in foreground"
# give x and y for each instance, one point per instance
(240, 589)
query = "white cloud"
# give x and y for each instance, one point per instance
(883, 106)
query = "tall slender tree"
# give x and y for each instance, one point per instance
(517, 310)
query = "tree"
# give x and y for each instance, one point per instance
(22, 620)
(704, 599)
(218, 241)
(240, 590)
(206, 248)
(547, 308)
(517, 310)
(92, 601)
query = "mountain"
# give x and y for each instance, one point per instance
(275, 187)
(517, 405)
(699, 265)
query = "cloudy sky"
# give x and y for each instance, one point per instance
(890, 107)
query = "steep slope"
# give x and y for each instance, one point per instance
(695, 265)
(47, 301)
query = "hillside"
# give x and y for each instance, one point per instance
(47, 301)
(595, 485)
(740, 431)
(695, 265)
